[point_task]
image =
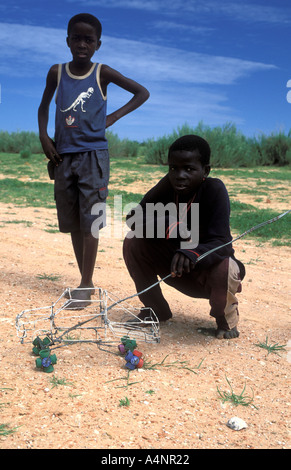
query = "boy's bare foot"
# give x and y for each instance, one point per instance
(70, 293)
(227, 334)
(78, 299)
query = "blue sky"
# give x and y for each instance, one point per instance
(212, 61)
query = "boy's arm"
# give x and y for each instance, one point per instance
(216, 230)
(141, 94)
(43, 115)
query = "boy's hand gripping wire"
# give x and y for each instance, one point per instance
(262, 224)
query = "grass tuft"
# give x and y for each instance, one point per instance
(177, 364)
(124, 402)
(55, 382)
(271, 348)
(49, 277)
(6, 431)
(235, 399)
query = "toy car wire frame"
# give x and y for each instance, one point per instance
(96, 323)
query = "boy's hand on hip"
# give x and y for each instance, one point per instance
(181, 263)
(49, 149)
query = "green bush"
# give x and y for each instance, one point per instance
(156, 151)
(275, 149)
(26, 153)
(15, 142)
(229, 147)
(121, 147)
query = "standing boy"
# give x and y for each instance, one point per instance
(79, 154)
(218, 276)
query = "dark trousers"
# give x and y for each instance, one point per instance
(147, 258)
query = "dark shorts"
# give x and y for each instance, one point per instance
(81, 181)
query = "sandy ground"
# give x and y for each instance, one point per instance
(79, 405)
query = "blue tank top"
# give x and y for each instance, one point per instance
(80, 111)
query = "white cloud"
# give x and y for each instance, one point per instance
(166, 64)
(241, 11)
(252, 12)
(28, 50)
(175, 26)
(149, 5)
(34, 47)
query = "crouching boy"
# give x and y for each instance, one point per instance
(148, 254)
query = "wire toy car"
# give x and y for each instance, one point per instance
(104, 321)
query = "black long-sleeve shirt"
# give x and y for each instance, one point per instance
(214, 214)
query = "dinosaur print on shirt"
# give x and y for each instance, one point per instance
(80, 100)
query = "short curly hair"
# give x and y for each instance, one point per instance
(86, 18)
(190, 143)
